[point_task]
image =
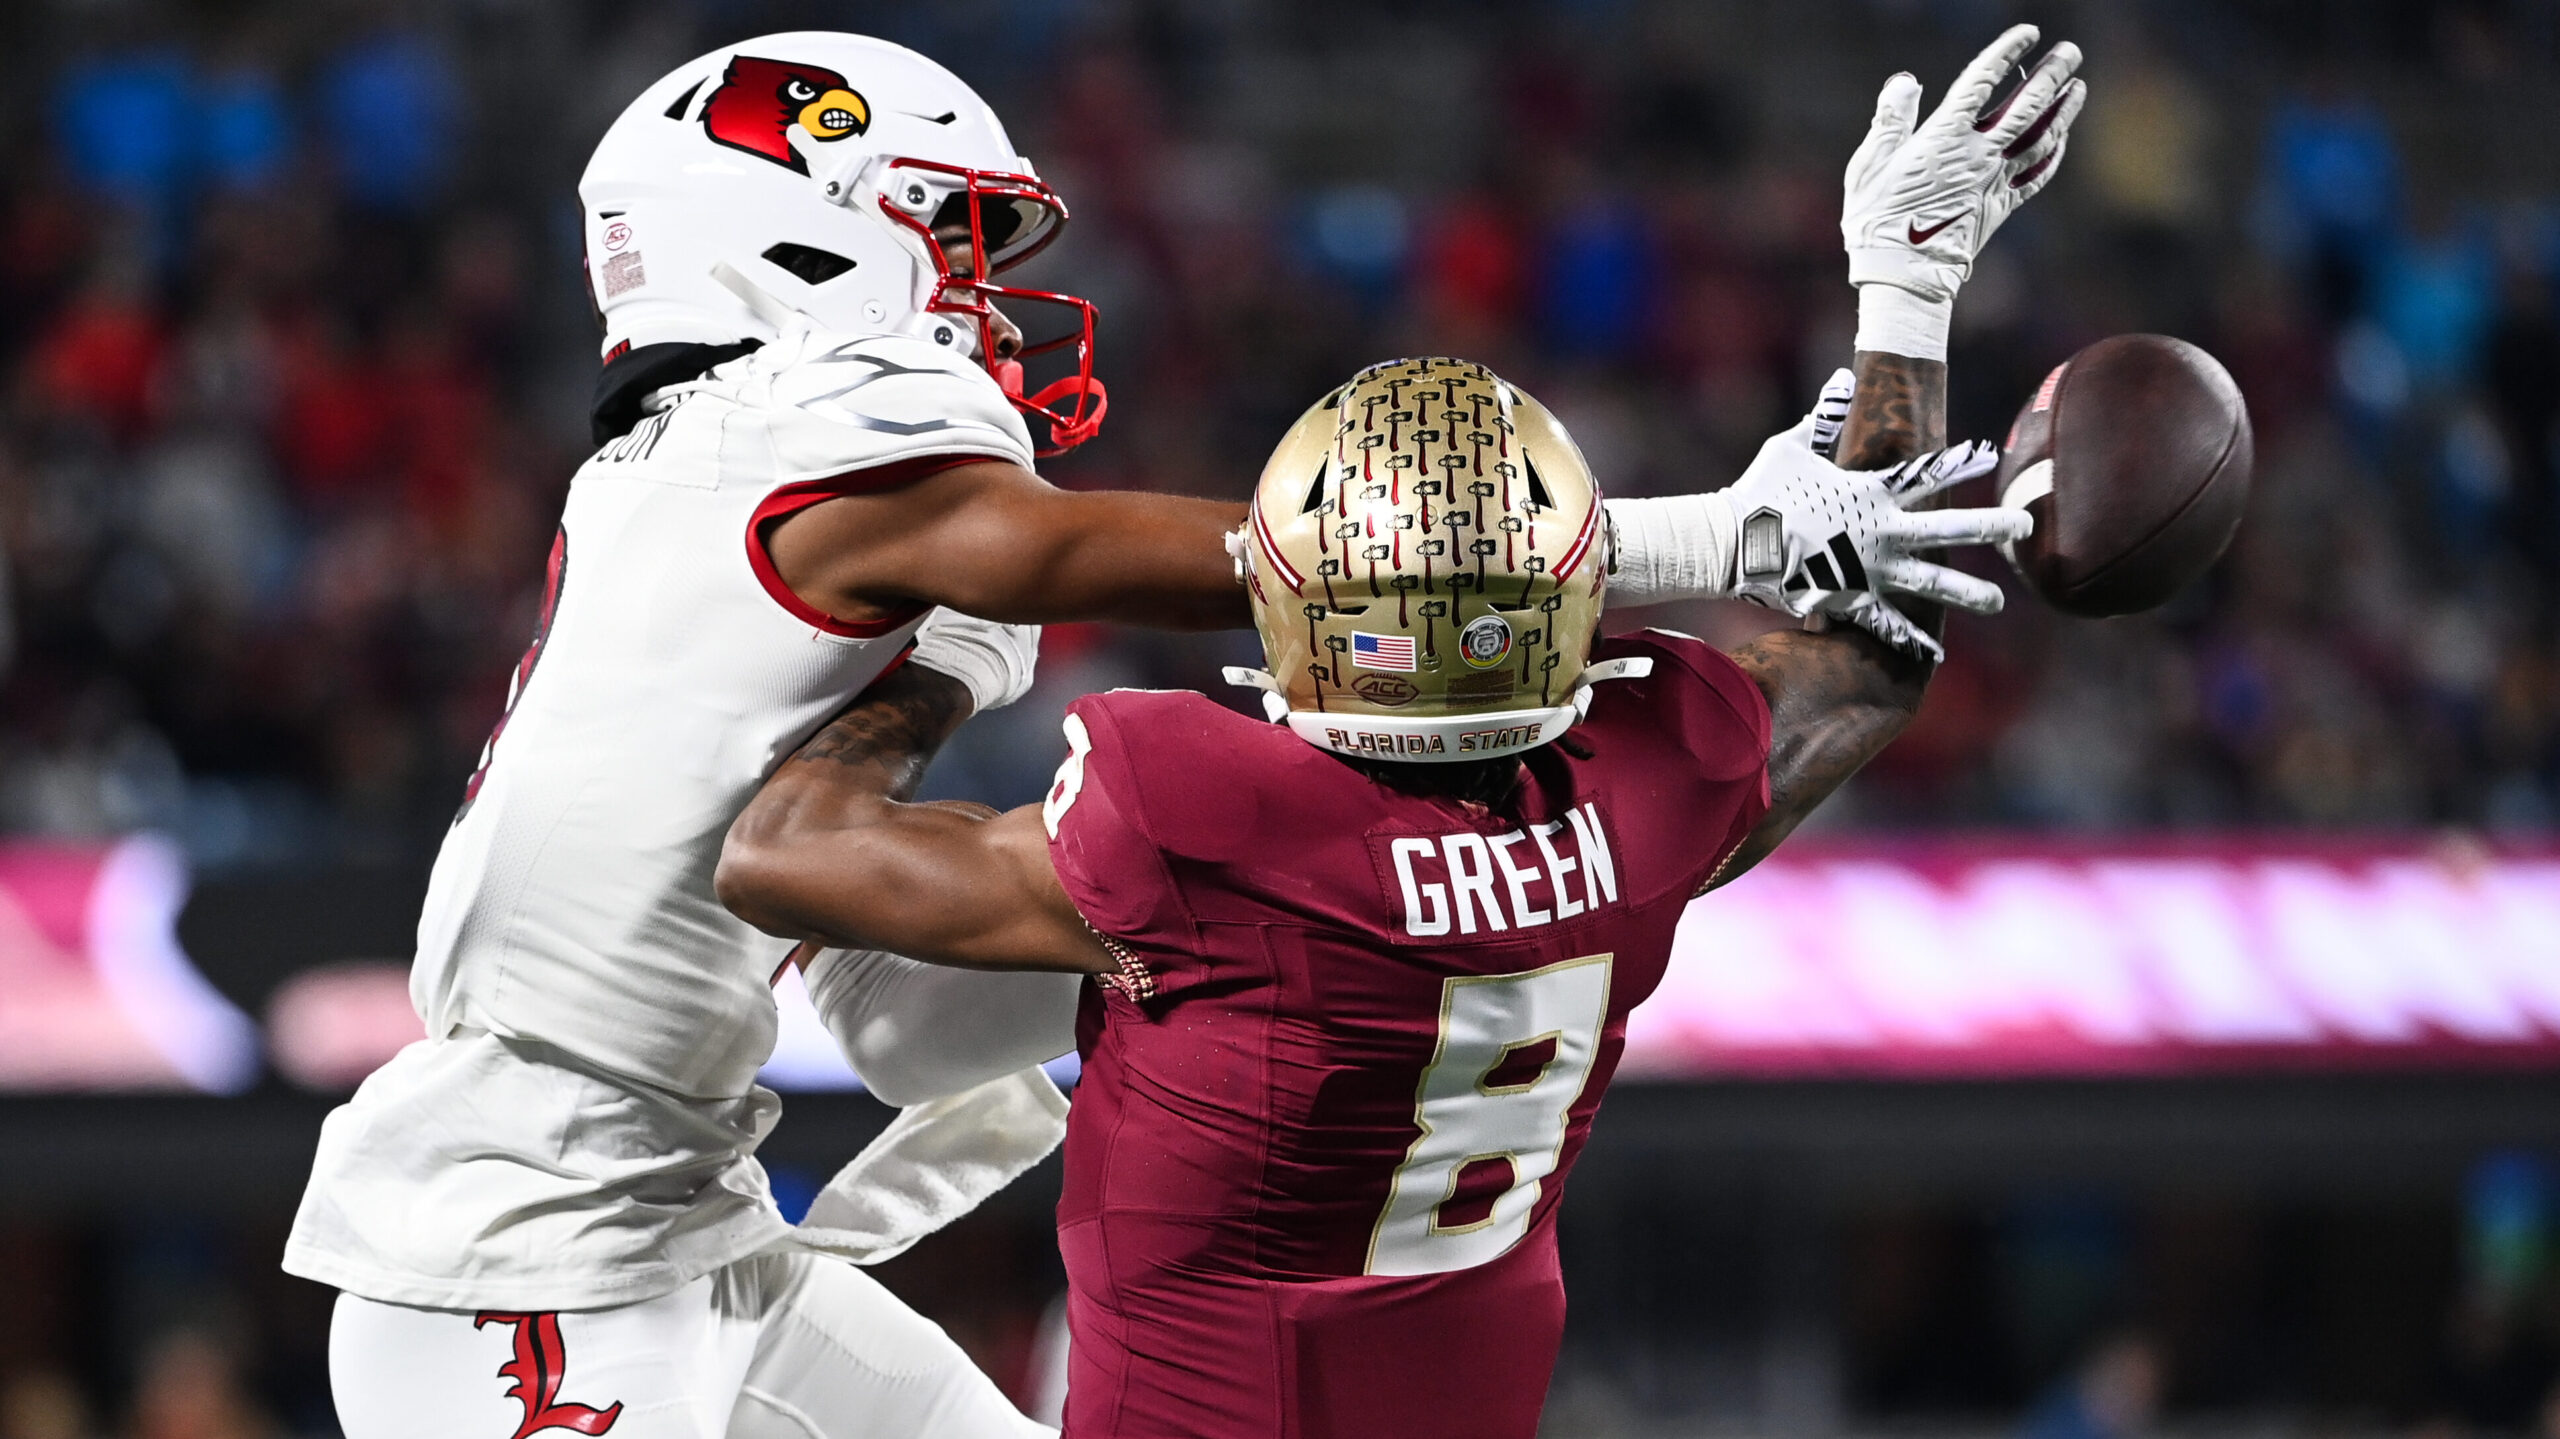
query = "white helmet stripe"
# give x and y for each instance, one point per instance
(1581, 546)
(1280, 566)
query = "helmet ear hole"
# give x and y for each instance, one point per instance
(1315, 488)
(1539, 495)
(813, 265)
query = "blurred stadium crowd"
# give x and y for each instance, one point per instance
(296, 356)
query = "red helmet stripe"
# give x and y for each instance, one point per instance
(1280, 566)
(1581, 543)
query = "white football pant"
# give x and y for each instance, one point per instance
(774, 1347)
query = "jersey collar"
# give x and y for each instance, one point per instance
(628, 379)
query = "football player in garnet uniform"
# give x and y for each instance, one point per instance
(1362, 973)
(1361, 976)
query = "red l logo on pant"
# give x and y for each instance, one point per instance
(538, 1369)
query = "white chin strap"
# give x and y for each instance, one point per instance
(1436, 739)
(758, 300)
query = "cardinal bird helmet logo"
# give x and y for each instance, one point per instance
(760, 100)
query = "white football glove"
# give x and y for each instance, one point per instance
(1818, 539)
(996, 662)
(1803, 536)
(1923, 197)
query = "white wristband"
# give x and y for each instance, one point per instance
(996, 661)
(1675, 548)
(1894, 321)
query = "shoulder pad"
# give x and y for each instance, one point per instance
(1191, 765)
(831, 404)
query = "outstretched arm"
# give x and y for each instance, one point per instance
(1920, 198)
(994, 540)
(829, 852)
(1838, 697)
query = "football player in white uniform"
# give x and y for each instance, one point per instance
(547, 1215)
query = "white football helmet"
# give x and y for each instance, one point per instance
(809, 172)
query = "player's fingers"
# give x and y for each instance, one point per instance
(2023, 114)
(1927, 474)
(1831, 411)
(2030, 157)
(1973, 88)
(2032, 180)
(1943, 529)
(1836, 394)
(1897, 111)
(2034, 168)
(1878, 617)
(2048, 127)
(2029, 166)
(1784, 451)
(1920, 579)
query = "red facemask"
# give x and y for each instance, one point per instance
(1073, 405)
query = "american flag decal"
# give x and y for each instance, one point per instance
(1382, 652)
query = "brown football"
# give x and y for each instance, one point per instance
(2134, 457)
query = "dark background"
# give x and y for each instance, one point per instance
(293, 369)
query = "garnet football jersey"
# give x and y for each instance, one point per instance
(1329, 1103)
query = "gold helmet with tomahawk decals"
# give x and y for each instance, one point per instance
(1426, 557)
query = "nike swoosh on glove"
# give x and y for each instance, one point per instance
(1816, 538)
(1923, 197)
(995, 661)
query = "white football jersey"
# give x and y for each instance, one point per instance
(571, 911)
(572, 902)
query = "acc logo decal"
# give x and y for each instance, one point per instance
(1485, 642)
(760, 100)
(1384, 690)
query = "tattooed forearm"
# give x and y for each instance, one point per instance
(833, 852)
(1835, 701)
(1837, 698)
(782, 857)
(1901, 410)
(896, 726)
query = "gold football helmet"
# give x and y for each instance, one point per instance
(1426, 559)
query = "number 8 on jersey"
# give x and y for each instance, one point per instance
(1513, 1055)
